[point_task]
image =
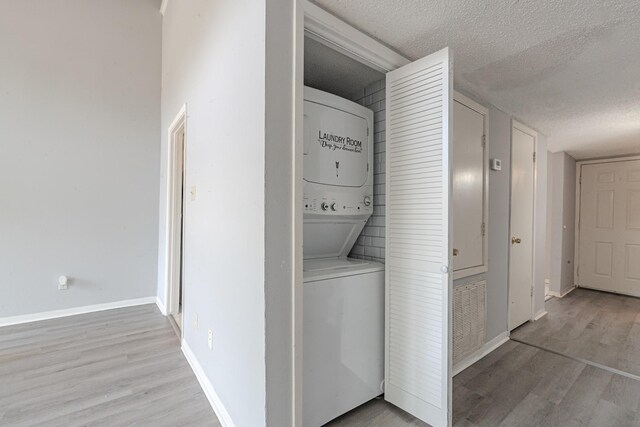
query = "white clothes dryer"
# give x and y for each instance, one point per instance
(343, 352)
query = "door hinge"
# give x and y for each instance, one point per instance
(482, 229)
(534, 157)
(367, 131)
(532, 292)
(484, 141)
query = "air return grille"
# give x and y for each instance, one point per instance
(469, 319)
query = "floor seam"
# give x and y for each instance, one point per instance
(581, 360)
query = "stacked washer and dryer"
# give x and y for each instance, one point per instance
(343, 359)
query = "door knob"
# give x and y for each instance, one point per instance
(455, 252)
(516, 240)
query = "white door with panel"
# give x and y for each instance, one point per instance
(418, 253)
(609, 257)
(469, 187)
(523, 143)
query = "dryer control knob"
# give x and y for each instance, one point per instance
(367, 201)
(324, 206)
(333, 207)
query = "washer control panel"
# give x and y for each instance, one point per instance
(338, 204)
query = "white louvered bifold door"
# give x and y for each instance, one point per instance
(418, 283)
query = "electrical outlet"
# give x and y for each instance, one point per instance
(195, 321)
(210, 339)
(62, 283)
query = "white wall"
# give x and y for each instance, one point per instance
(554, 267)
(568, 232)
(283, 215)
(550, 193)
(498, 224)
(540, 227)
(79, 137)
(562, 223)
(238, 243)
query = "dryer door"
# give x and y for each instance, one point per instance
(335, 146)
(330, 237)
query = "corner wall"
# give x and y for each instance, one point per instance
(562, 200)
(221, 60)
(79, 130)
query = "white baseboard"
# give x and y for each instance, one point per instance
(161, 306)
(540, 315)
(563, 294)
(54, 314)
(481, 352)
(207, 387)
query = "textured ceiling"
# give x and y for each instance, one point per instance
(569, 68)
(328, 70)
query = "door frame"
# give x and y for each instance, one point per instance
(320, 25)
(516, 124)
(579, 164)
(174, 210)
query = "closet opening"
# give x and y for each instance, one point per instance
(373, 305)
(343, 232)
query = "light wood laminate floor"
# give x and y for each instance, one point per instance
(120, 367)
(595, 326)
(524, 385)
(518, 385)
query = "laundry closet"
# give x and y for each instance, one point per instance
(343, 236)
(379, 248)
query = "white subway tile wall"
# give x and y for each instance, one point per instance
(370, 243)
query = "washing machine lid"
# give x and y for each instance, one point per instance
(316, 270)
(330, 238)
(336, 148)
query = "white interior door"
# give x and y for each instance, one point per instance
(609, 257)
(418, 283)
(523, 143)
(468, 189)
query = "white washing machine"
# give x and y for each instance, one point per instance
(343, 359)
